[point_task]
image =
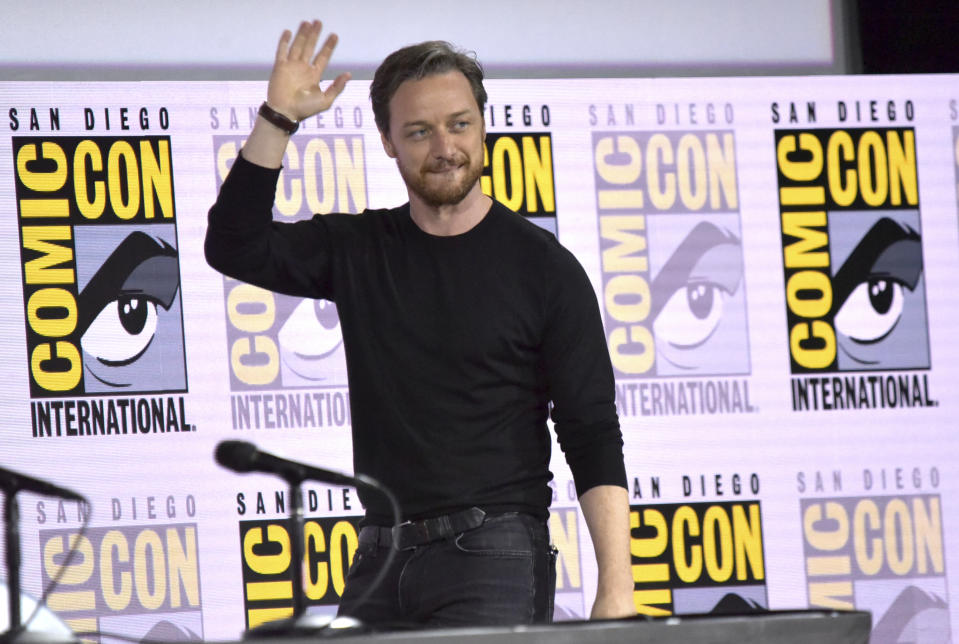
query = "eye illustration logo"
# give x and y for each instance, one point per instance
(698, 300)
(128, 309)
(671, 255)
(308, 337)
(879, 303)
(852, 250)
(298, 341)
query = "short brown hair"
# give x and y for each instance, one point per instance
(419, 61)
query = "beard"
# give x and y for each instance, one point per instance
(437, 188)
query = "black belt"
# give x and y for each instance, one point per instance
(417, 533)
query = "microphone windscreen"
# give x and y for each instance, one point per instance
(239, 456)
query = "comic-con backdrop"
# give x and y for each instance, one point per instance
(775, 260)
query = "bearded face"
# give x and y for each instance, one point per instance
(436, 136)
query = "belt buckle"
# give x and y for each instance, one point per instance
(396, 532)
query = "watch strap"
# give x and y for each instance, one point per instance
(281, 121)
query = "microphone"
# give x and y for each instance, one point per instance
(242, 457)
(12, 482)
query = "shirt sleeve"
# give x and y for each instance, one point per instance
(243, 241)
(580, 378)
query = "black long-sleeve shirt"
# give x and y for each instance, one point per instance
(455, 346)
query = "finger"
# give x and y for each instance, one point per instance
(321, 100)
(283, 47)
(296, 48)
(322, 58)
(337, 86)
(312, 36)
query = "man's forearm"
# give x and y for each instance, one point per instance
(266, 144)
(606, 510)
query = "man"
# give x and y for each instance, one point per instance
(462, 323)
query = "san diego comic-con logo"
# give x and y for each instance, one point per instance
(101, 284)
(329, 546)
(880, 553)
(518, 172)
(518, 161)
(702, 557)
(853, 267)
(674, 297)
(266, 552)
(279, 342)
(139, 580)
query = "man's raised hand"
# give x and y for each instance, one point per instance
(294, 91)
(294, 88)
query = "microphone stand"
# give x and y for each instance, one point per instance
(11, 532)
(296, 545)
(291, 626)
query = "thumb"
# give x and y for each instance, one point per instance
(336, 87)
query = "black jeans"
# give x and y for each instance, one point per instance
(500, 573)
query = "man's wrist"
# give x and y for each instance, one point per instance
(278, 119)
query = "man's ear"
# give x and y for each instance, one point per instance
(387, 145)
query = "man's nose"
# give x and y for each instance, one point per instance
(443, 144)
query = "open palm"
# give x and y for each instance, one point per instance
(294, 87)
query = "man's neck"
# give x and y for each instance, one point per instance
(450, 219)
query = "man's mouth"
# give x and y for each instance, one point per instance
(442, 168)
